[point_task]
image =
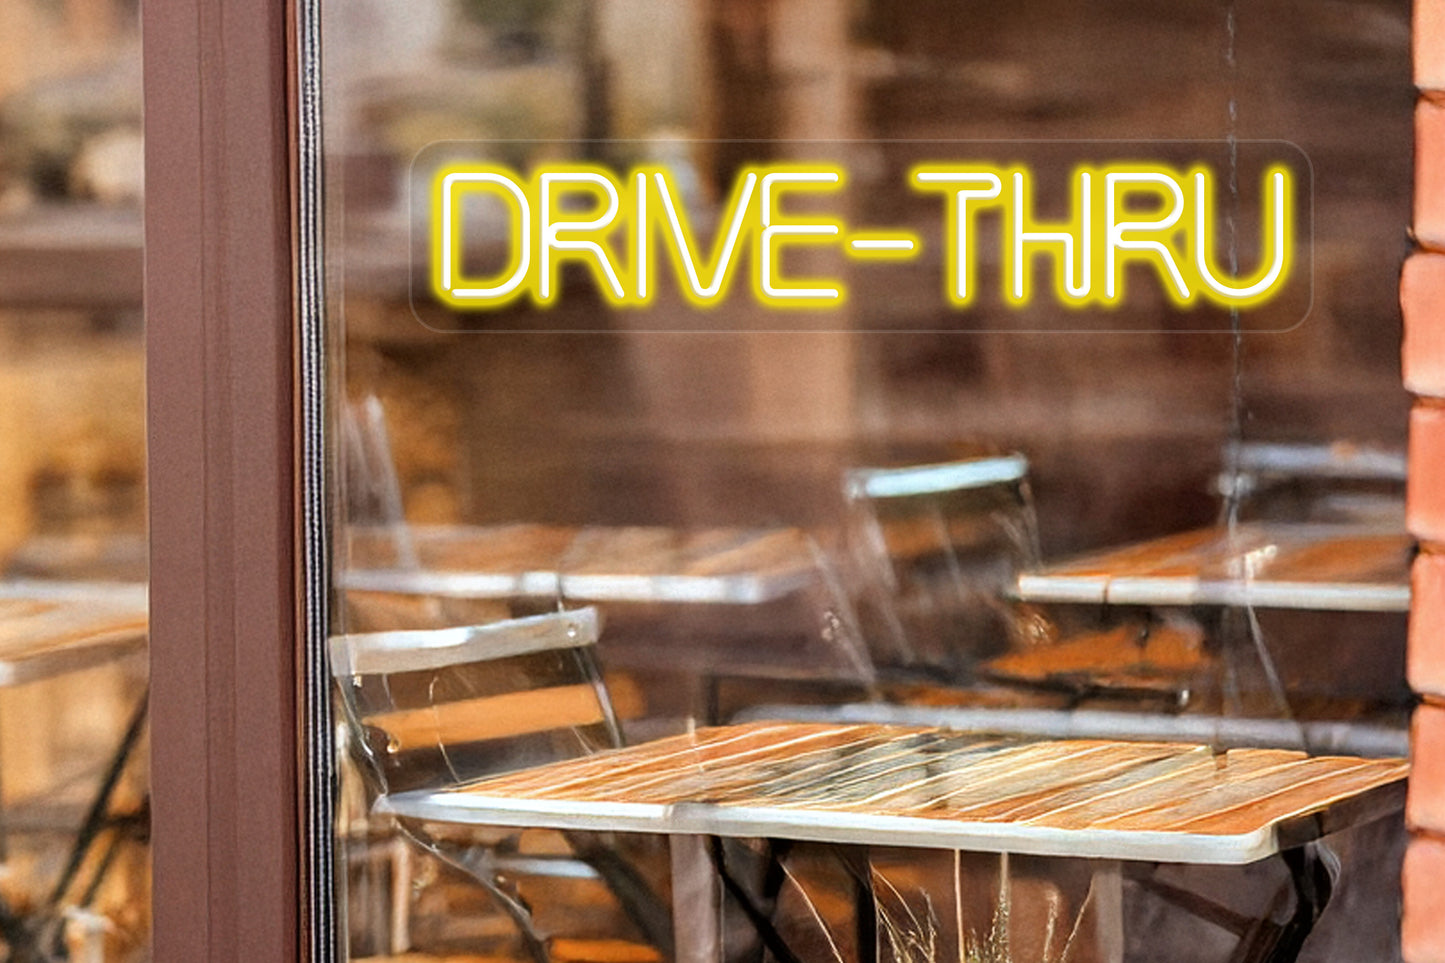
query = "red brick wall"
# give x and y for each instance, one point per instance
(1422, 299)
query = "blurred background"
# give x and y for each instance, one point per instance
(72, 481)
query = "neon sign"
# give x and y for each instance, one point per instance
(628, 231)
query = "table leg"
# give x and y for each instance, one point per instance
(1108, 887)
(37, 933)
(631, 890)
(475, 862)
(775, 874)
(753, 876)
(696, 901)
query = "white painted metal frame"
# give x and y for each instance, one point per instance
(704, 819)
(375, 653)
(912, 480)
(731, 588)
(1080, 581)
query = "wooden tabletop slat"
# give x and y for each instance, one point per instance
(1202, 772)
(827, 779)
(1251, 780)
(921, 786)
(706, 771)
(982, 773)
(1070, 785)
(669, 756)
(1308, 794)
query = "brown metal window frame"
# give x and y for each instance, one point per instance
(240, 823)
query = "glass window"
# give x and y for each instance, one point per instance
(846, 480)
(73, 749)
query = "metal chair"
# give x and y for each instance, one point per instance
(433, 709)
(1332, 482)
(934, 549)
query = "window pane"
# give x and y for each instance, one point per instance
(1015, 384)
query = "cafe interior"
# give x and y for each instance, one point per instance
(894, 630)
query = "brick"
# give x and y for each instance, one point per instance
(1425, 809)
(1427, 625)
(1422, 302)
(1430, 173)
(1422, 928)
(1429, 37)
(1425, 491)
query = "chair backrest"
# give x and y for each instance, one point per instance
(372, 485)
(934, 549)
(1338, 482)
(438, 707)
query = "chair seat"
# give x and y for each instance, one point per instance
(1128, 660)
(602, 951)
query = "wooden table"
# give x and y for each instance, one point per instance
(927, 787)
(596, 564)
(1331, 568)
(47, 629)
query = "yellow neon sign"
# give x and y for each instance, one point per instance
(614, 226)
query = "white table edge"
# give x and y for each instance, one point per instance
(98, 650)
(696, 589)
(469, 808)
(1262, 593)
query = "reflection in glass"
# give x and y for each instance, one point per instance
(1026, 522)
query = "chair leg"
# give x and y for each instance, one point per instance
(760, 920)
(762, 872)
(865, 908)
(402, 874)
(477, 869)
(631, 890)
(1313, 869)
(627, 885)
(535, 943)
